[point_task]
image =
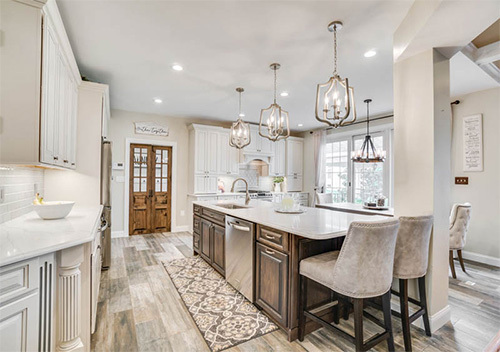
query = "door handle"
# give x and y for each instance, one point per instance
(239, 227)
(268, 251)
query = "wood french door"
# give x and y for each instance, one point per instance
(150, 190)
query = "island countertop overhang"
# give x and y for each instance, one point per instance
(314, 223)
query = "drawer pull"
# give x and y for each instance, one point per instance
(268, 251)
(270, 237)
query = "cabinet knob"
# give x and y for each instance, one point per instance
(65, 161)
(73, 164)
(56, 158)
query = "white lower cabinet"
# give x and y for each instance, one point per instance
(205, 184)
(294, 183)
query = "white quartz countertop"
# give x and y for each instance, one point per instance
(30, 236)
(314, 223)
(356, 208)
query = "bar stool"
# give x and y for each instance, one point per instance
(361, 269)
(459, 224)
(410, 262)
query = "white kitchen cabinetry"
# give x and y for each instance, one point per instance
(294, 163)
(258, 144)
(40, 107)
(278, 162)
(228, 156)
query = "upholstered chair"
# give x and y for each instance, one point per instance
(410, 262)
(362, 269)
(322, 198)
(459, 224)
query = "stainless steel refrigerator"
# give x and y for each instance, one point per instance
(106, 165)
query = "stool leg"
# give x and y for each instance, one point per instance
(358, 323)
(452, 265)
(336, 310)
(345, 308)
(405, 319)
(423, 304)
(461, 260)
(386, 307)
(302, 306)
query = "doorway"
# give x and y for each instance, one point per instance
(150, 189)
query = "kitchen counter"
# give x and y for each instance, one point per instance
(30, 236)
(314, 223)
(355, 208)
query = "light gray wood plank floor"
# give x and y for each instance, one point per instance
(139, 308)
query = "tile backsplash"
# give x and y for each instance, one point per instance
(17, 186)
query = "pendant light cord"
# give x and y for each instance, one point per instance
(367, 119)
(334, 49)
(275, 79)
(239, 107)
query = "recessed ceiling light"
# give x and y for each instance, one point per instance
(370, 53)
(177, 67)
(284, 94)
(241, 115)
(300, 124)
(158, 100)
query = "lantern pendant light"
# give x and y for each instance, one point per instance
(240, 130)
(367, 153)
(274, 119)
(335, 98)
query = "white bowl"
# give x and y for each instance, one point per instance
(53, 210)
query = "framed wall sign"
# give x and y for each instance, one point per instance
(472, 127)
(151, 128)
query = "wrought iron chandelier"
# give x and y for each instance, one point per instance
(335, 98)
(274, 118)
(240, 130)
(368, 153)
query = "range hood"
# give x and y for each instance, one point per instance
(258, 163)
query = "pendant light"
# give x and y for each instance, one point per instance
(274, 119)
(335, 98)
(240, 130)
(367, 153)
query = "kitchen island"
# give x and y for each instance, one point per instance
(278, 243)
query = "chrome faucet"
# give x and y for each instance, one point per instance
(247, 196)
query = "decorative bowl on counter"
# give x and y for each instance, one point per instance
(53, 210)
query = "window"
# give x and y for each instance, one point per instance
(358, 182)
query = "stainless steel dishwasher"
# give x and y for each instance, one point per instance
(239, 255)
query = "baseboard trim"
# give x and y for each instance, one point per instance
(481, 258)
(117, 234)
(184, 228)
(437, 320)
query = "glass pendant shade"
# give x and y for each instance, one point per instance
(274, 123)
(240, 130)
(368, 153)
(335, 98)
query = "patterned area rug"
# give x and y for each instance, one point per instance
(224, 316)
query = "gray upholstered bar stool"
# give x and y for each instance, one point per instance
(459, 224)
(410, 262)
(361, 269)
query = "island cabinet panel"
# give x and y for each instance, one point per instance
(218, 250)
(205, 240)
(273, 238)
(271, 282)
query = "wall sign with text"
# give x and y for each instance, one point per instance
(152, 128)
(473, 142)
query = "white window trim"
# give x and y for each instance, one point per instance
(387, 130)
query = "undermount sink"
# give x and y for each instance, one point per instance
(232, 206)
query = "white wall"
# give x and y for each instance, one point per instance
(483, 190)
(122, 127)
(18, 186)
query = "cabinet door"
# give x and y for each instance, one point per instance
(254, 141)
(212, 155)
(294, 157)
(266, 146)
(63, 120)
(218, 249)
(205, 240)
(19, 324)
(74, 118)
(199, 183)
(294, 183)
(271, 282)
(211, 184)
(223, 150)
(278, 165)
(50, 99)
(200, 151)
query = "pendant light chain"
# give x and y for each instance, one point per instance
(368, 118)
(239, 106)
(334, 49)
(275, 83)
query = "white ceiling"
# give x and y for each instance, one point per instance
(131, 45)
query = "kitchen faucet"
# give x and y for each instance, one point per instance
(247, 196)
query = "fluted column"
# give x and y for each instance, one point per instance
(69, 300)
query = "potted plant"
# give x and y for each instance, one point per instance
(277, 181)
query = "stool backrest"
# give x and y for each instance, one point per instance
(412, 246)
(365, 263)
(459, 224)
(322, 198)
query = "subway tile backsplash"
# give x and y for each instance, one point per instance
(17, 185)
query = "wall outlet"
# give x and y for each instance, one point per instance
(183, 213)
(461, 180)
(2, 194)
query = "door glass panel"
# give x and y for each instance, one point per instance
(336, 170)
(136, 184)
(157, 185)
(368, 177)
(165, 170)
(144, 185)
(164, 187)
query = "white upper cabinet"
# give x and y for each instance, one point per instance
(228, 156)
(294, 155)
(258, 144)
(39, 108)
(205, 154)
(279, 160)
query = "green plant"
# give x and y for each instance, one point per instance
(278, 179)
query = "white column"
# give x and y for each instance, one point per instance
(69, 300)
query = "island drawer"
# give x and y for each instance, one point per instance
(196, 209)
(273, 238)
(214, 216)
(196, 224)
